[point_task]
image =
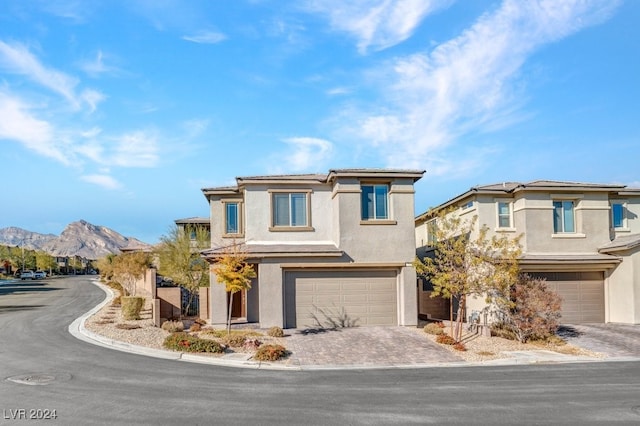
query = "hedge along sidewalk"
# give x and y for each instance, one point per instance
(78, 330)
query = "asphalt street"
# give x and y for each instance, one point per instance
(44, 368)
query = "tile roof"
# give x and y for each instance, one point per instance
(623, 243)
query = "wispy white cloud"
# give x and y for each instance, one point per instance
(195, 127)
(105, 181)
(376, 24)
(338, 91)
(17, 123)
(468, 84)
(206, 37)
(135, 149)
(303, 154)
(18, 59)
(97, 66)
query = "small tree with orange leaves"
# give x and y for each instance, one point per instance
(234, 272)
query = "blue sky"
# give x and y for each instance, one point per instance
(119, 112)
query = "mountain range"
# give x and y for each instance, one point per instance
(79, 238)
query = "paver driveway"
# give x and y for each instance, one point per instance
(613, 340)
(365, 346)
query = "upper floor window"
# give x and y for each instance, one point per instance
(290, 209)
(504, 214)
(432, 230)
(618, 215)
(375, 202)
(563, 216)
(232, 218)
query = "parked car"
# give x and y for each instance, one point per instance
(39, 275)
(27, 275)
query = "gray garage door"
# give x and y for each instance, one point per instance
(362, 297)
(582, 295)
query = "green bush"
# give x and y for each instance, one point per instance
(270, 353)
(275, 332)
(445, 339)
(184, 342)
(131, 307)
(433, 328)
(173, 326)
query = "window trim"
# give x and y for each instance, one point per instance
(240, 218)
(573, 214)
(375, 220)
(623, 206)
(279, 228)
(511, 226)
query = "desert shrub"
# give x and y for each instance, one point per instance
(251, 344)
(433, 328)
(195, 327)
(275, 332)
(445, 339)
(532, 310)
(270, 353)
(200, 321)
(221, 333)
(504, 330)
(459, 347)
(124, 326)
(173, 326)
(116, 301)
(117, 287)
(131, 307)
(184, 342)
(233, 340)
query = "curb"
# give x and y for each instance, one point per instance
(78, 330)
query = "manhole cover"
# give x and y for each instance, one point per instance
(33, 379)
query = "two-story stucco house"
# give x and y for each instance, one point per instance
(583, 238)
(340, 243)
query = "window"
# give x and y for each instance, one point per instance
(617, 215)
(289, 209)
(374, 202)
(563, 217)
(432, 229)
(232, 218)
(504, 214)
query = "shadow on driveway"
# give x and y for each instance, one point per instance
(613, 340)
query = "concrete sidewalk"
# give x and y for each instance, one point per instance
(349, 348)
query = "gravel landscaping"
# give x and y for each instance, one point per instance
(109, 323)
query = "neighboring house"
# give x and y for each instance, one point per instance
(193, 223)
(341, 243)
(583, 238)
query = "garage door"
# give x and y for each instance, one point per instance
(361, 297)
(582, 295)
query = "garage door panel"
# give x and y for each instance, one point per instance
(582, 295)
(368, 297)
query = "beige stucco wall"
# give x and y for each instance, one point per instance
(376, 241)
(622, 290)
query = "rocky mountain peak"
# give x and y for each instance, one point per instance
(79, 238)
